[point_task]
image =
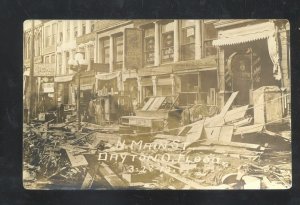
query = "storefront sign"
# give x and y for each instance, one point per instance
(133, 48)
(45, 69)
(48, 87)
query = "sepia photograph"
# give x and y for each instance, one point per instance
(155, 104)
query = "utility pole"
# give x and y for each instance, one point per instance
(30, 108)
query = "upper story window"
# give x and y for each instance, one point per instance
(210, 34)
(149, 44)
(60, 31)
(83, 28)
(92, 25)
(54, 33)
(105, 50)
(187, 39)
(167, 42)
(48, 36)
(118, 51)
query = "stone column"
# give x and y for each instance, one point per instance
(64, 63)
(111, 54)
(72, 30)
(156, 44)
(88, 26)
(79, 26)
(198, 40)
(154, 84)
(176, 41)
(64, 27)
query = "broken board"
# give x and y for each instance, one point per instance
(76, 161)
(256, 128)
(236, 114)
(87, 182)
(195, 132)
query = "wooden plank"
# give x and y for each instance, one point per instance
(195, 133)
(226, 133)
(148, 103)
(219, 120)
(184, 131)
(87, 182)
(76, 161)
(243, 122)
(249, 129)
(110, 176)
(182, 179)
(228, 103)
(212, 133)
(156, 104)
(234, 144)
(236, 114)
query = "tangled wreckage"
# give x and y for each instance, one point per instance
(246, 147)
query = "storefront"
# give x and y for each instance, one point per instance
(251, 56)
(108, 83)
(64, 89)
(196, 81)
(87, 89)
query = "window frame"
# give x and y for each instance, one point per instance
(162, 48)
(182, 45)
(104, 48)
(208, 40)
(145, 50)
(118, 64)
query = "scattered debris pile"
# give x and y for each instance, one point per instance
(225, 151)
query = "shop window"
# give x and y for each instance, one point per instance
(187, 39)
(105, 50)
(149, 44)
(167, 42)
(118, 52)
(210, 34)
